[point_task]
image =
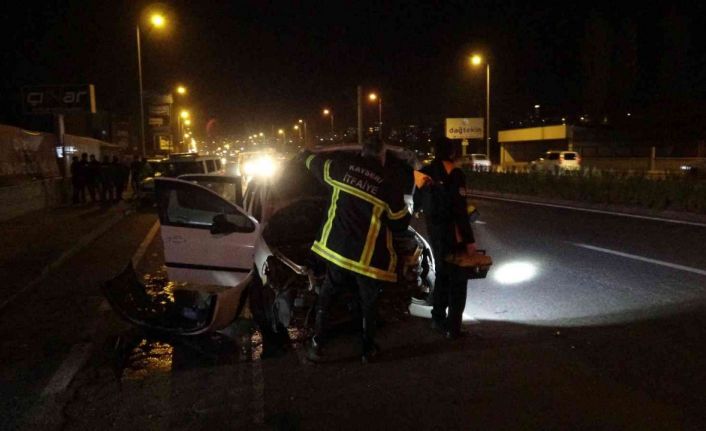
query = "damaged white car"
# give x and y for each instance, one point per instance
(220, 246)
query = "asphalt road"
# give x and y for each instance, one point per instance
(562, 267)
(590, 339)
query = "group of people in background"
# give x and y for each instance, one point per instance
(97, 181)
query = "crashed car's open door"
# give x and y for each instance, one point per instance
(207, 240)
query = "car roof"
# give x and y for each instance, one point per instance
(215, 176)
(185, 157)
(401, 153)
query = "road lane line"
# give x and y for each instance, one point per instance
(643, 259)
(589, 210)
(60, 381)
(80, 353)
(142, 249)
(79, 245)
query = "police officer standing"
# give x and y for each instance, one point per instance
(366, 206)
(448, 225)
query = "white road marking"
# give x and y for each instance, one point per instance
(479, 222)
(80, 352)
(643, 259)
(77, 357)
(140, 253)
(589, 210)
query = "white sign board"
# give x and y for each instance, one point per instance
(464, 128)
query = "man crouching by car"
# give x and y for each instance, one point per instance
(366, 207)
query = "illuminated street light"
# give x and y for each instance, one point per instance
(262, 134)
(477, 60)
(284, 137)
(328, 112)
(306, 136)
(187, 122)
(184, 114)
(373, 97)
(181, 90)
(157, 21)
(299, 129)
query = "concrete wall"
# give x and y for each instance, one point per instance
(31, 196)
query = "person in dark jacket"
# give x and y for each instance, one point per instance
(93, 168)
(78, 181)
(121, 173)
(366, 206)
(448, 225)
(107, 181)
(135, 167)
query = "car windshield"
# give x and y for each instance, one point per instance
(552, 156)
(226, 190)
(569, 156)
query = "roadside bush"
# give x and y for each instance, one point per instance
(671, 193)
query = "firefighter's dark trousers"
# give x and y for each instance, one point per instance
(337, 281)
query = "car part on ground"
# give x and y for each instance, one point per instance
(169, 307)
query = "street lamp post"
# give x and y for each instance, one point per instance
(477, 60)
(299, 129)
(157, 21)
(181, 91)
(329, 113)
(182, 118)
(306, 136)
(373, 97)
(284, 138)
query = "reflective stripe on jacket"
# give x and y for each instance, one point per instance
(366, 206)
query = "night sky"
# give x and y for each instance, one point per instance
(257, 65)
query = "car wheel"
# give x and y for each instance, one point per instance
(275, 337)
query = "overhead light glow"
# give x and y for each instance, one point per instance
(157, 20)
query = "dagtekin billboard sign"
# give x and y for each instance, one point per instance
(464, 128)
(58, 99)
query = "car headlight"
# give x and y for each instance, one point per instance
(266, 167)
(249, 168)
(262, 167)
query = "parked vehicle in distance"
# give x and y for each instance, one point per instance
(476, 162)
(557, 161)
(176, 165)
(192, 163)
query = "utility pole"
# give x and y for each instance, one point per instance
(360, 115)
(487, 110)
(142, 105)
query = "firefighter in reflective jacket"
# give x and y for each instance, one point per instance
(366, 206)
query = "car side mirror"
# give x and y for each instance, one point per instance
(221, 225)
